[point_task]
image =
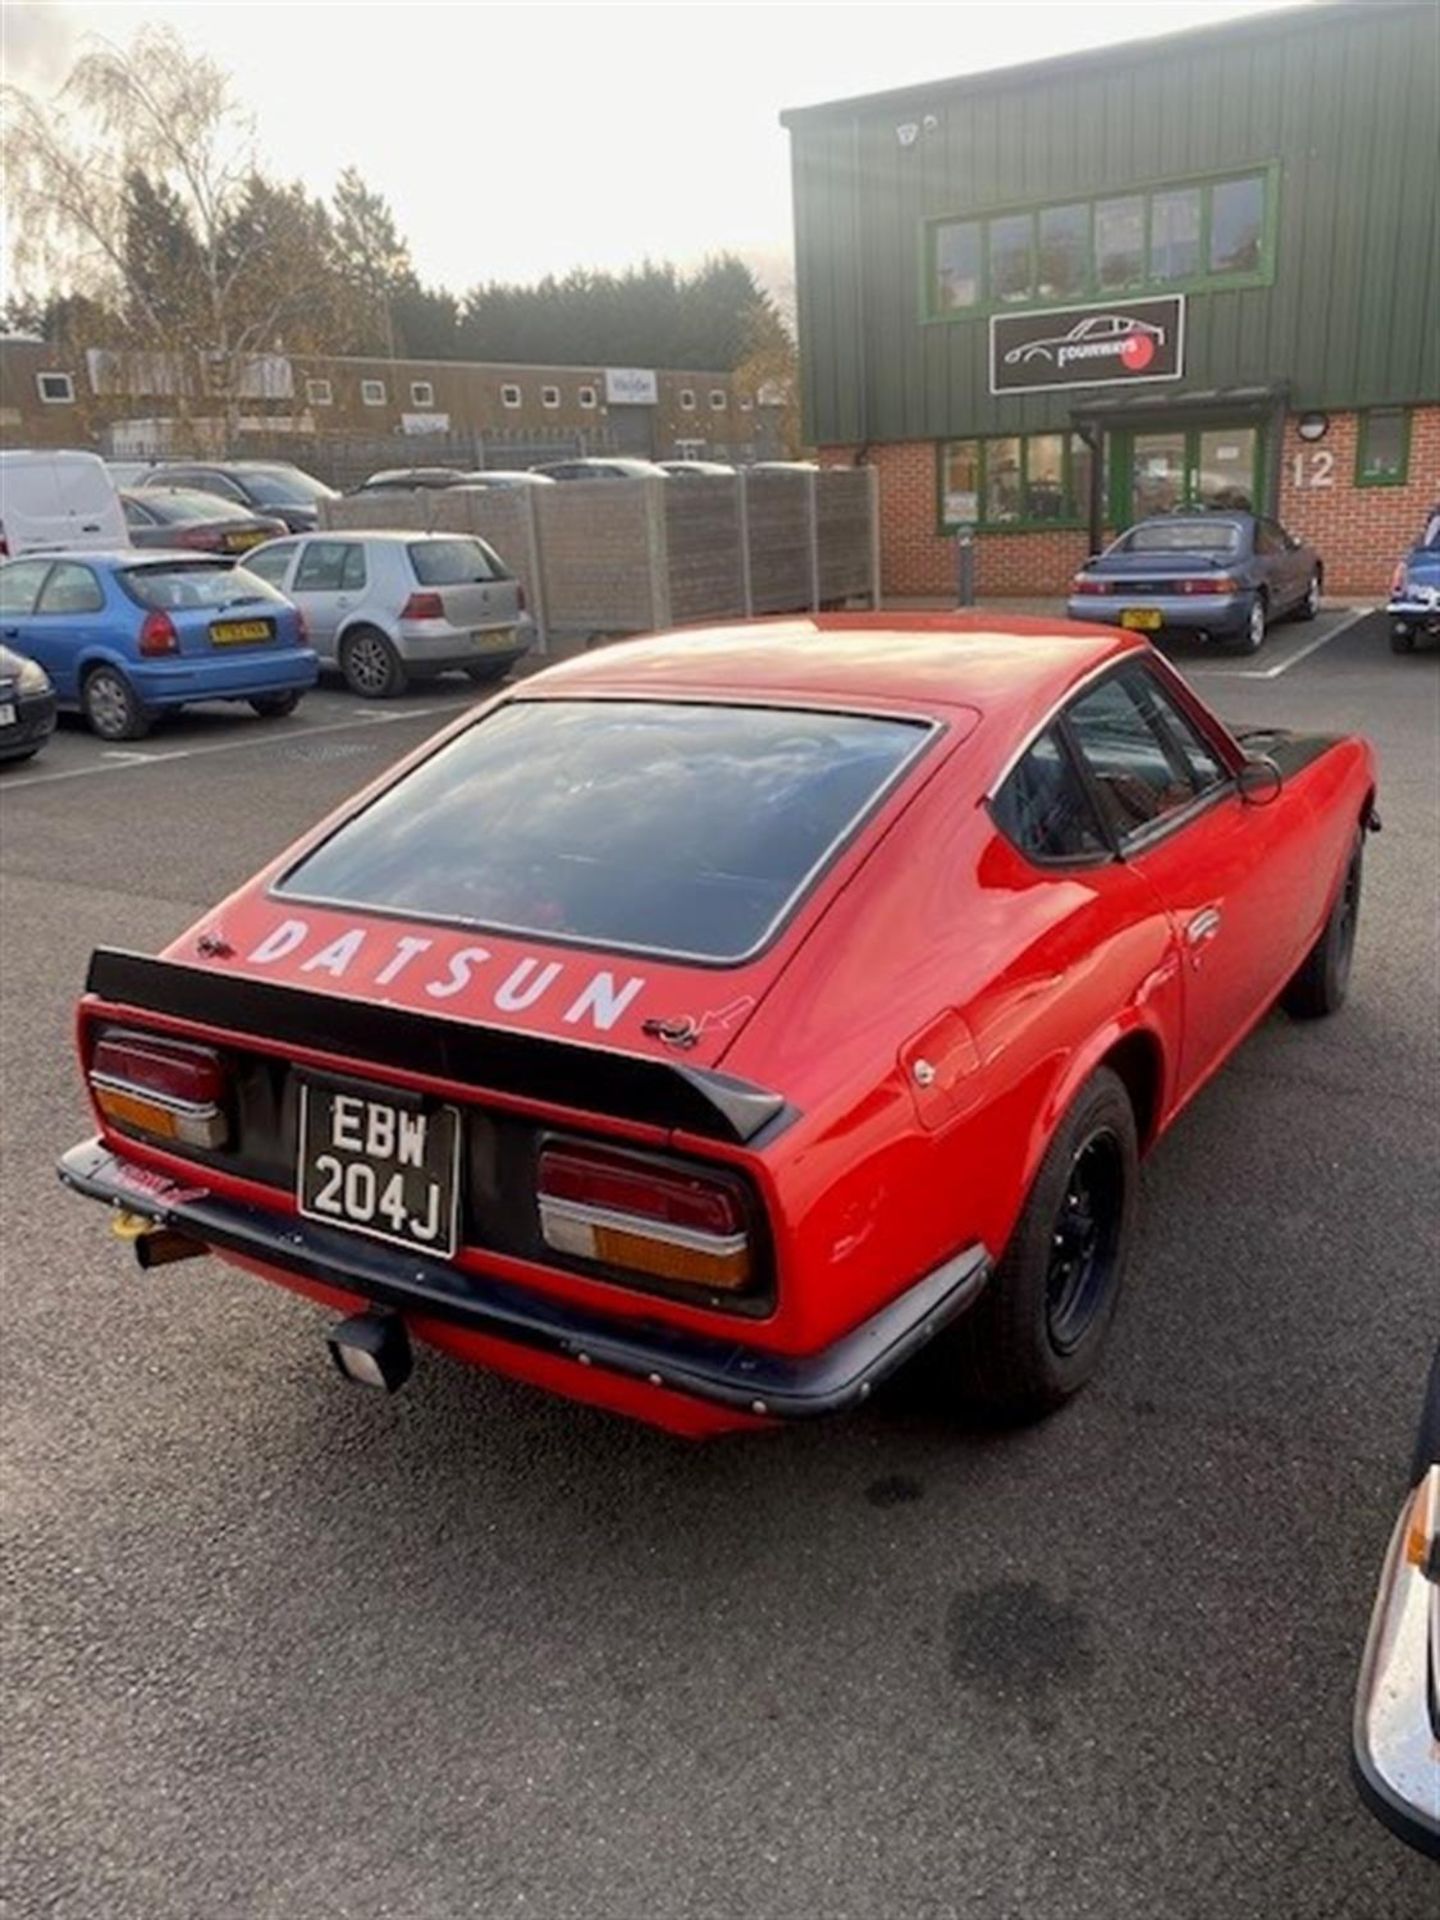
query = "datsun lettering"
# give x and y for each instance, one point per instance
(704, 1027)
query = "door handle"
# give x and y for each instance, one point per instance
(1204, 926)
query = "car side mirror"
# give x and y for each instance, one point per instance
(1259, 781)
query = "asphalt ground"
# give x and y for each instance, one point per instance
(278, 1647)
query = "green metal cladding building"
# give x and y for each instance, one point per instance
(1198, 269)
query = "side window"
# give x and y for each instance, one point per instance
(1123, 729)
(218, 483)
(135, 514)
(271, 562)
(1044, 809)
(19, 585)
(321, 567)
(71, 589)
(352, 572)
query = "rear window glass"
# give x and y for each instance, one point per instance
(286, 486)
(454, 563)
(173, 589)
(1183, 536)
(686, 830)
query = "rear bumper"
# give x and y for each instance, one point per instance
(233, 677)
(430, 644)
(1188, 613)
(724, 1374)
(34, 724)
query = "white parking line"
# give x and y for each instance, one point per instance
(1291, 660)
(119, 760)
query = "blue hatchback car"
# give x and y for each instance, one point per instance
(1414, 603)
(128, 635)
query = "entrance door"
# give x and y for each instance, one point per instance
(1177, 469)
(1224, 472)
(1158, 467)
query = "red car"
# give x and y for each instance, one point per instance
(706, 1025)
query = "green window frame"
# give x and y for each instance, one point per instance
(992, 451)
(1370, 471)
(977, 225)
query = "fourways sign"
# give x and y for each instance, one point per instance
(1119, 344)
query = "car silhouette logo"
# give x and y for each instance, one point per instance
(1099, 336)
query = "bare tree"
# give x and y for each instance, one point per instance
(138, 187)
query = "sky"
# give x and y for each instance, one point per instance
(515, 141)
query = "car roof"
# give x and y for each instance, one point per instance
(131, 556)
(1235, 516)
(1015, 668)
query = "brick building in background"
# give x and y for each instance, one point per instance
(1196, 270)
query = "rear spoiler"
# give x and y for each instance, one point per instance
(628, 1086)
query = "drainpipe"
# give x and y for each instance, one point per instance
(1094, 438)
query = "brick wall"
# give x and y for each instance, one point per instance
(1360, 532)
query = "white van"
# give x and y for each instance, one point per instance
(51, 500)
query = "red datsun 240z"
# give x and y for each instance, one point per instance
(704, 1026)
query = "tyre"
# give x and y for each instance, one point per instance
(1320, 985)
(487, 673)
(1402, 639)
(275, 706)
(1035, 1335)
(1251, 636)
(1310, 605)
(370, 664)
(111, 706)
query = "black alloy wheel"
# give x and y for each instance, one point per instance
(1085, 1241)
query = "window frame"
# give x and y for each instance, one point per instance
(719, 400)
(422, 393)
(1071, 522)
(1363, 476)
(311, 544)
(319, 393)
(65, 399)
(509, 388)
(368, 390)
(1107, 853)
(587, 397)
(687, 399)
(1202, 281)
(550, 397)
(41, 612)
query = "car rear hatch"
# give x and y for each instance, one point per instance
(1161, 574)
(202, 608)
(460, 580)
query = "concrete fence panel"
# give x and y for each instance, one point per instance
(704, 540)
(778, 512)
(602, 555)
(844, 514)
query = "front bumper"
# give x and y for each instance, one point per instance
(1415, 615)
(33, 726)
(724, 1373)
(1179, 613)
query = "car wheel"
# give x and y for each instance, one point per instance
(275, 706)
(1251, 637)
(370, 664)
(486, 673)
(112, 707)
(1402, 639)
(1035, 1335)
(1320, 985)
(1310, 605)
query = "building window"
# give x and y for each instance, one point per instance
(1014, 480)
(549, 396)
(747, 405)
(1182, 234)
(1382, 454)
(422, 393)
(719, 400)
(55, 389)
(687, 400)
(318, 394)
(510, 396)
(372, 393)
(586, 397)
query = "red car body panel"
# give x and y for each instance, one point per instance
(930, 941)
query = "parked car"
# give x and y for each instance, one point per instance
(613, 467)
(1397, 1702)
(388, 608)
(27, 706)
(712, 1022)
(1414, 603)
(698, 469)
(1218, 576)
(784, 466)
(270, 487)
(502, 478)
(126, 636)
(410, 477)
(199, 522)
(57, 501)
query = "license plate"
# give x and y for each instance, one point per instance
(229, 633)
(7, 715)
(380, 1165)
(492, 639)
(1146, 619)
(239, 542)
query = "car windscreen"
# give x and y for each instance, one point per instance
(454, 563)
(687, 830)
(286, 487)
(1183, 536)
(175, 589)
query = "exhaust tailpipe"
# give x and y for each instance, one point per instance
(162, 1246)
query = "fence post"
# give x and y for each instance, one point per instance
(812, 494)
(874, 506)
(537, 572)
(747, 591)
(657, 549)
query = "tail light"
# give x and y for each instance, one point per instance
(1082, 583)
(423, 606)
(4, 548)
(1398, 581)
(167, 1088)
(158, 635)
(206, 539)
(302, 628)
(645, 1217)
(1222, 584)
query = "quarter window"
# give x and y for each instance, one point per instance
(1383, 454)
(1147, 760)
(352, 572)
(71, 589)
(1044, 808)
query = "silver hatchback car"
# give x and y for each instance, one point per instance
(389, 608)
